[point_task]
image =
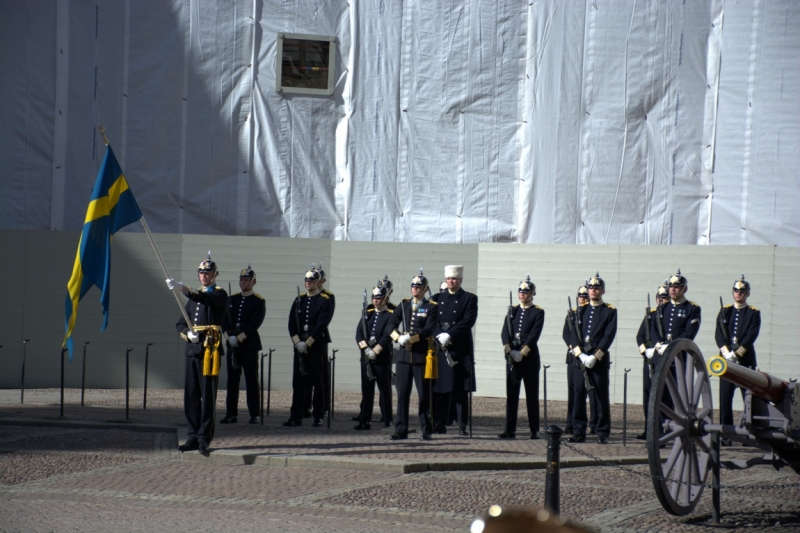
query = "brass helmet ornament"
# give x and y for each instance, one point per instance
(207, 265)
(527, 285)
(677, 280)
(419, 280)
(443, 286)
(741, 285)
(596, 282)
(662, 291)
(583, 292)
(247, 273)
(380, 290)
(313, 274)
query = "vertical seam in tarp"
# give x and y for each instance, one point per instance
(187, 45)
(245, 138)
(60, 117)
(123, 133)
(748, 125)
(710, 114)
(344, 171)
(523, 211)
(586, 127)
(403, 127)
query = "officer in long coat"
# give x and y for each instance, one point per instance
(413, 321)
(373, 337)
(520, 335)
(581, 298)
(593, 331)
(309, 317)
(738, 326)
(246, 312)
(456, 315)
(206, 308)
(326, 378)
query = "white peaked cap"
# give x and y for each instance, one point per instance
(454, 271)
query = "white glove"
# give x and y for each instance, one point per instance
(649, 353)
(576, 351)
(590, 361)
(584, 358)
(516, 356)
(301, 347)
(174, 285)
(724, 352)
(661, 348)
(443, 338)
(730, 356)
(404, 340)
(193, 336)
(370, 353)
(233, 341)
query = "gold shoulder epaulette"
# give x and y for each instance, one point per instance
(304, 294)
(390, 310)
(405, 299)
(258, 296)
(753, 308)
(327, 291)
(584, 304)
(574, 309)
(694, 304)
(219, 288)
(729, 305)
(537, 307)
(652, 310)
(610, 306)
(432, 301)
(371, 309)
(325, 295)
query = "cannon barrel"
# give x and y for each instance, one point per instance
(759, 383)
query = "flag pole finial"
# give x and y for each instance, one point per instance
(102, 130)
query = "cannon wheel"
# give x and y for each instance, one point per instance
(679, 480)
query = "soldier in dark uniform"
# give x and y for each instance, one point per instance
(582, 298)
(457, 313)
(646, 348)
(738, 326)
(598, 327)
(307, 397)
(440, 426)
(412, 325)
(309, 317)
(373, 336)
(520, 336)
(206, 308)
(246, 312)
(680, 318)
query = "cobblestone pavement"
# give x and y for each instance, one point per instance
(71, 478)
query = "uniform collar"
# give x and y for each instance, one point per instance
(417, 300)
(599, 303)
(313, 293)
(210, 288)
(740, 305)
(454, 292)
(382, 308)
(527, 305)
(679, 301)
(248, 293)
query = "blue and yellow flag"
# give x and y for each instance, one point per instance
(111, 208)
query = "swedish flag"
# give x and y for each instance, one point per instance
(111, 208)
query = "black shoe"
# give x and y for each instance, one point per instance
(292, 422)
(568, 430)
(440, 428)
(426, 436)
(253, 420)
(726, 442)
(642, 436)
(463, 432)
(204, 448)
(362, 427)
(535, 436)
(592, 431)
(228, 420)
(307, 413)
(602, 440)
(577, 438)
(399, 436)
(189, 445)
(356, 418)
(317, 423)
(507, 435)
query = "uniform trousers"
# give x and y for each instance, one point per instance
(199, 399)
(598, 377)
(461, 401)
(309, 393)
(314, 365)
(570, 393)
(407, 374)
(528, 372)
(247, 362)
(383, 379)
(726, 392)
(647, 383)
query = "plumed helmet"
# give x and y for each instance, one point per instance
(527, 285)
(596, 281)
(380, 290)
(662, 291)
(313, 274)
(677, 280)
(207, 265)
(741, 285)
(583, 292)
(419, 280)
(247, 273)
(443, 287)
(388, 284)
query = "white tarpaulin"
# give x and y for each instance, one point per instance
(476, 121)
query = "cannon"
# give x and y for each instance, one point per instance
(680, 422)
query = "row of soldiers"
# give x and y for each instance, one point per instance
(433, 333)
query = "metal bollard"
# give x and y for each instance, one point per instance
(552, 482)
(146, 368)
(545, 395)
(83, 373)
(62, 381)
(333, 380)
(127, 382)
(269, 379)
(261, 398)
(625, 409)
(22, 373)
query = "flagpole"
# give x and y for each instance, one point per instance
(102, 131)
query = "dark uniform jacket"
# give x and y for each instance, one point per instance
(743, 328)
(332, 300)
(679, 321)
(598, 329)
(643, 338)
(527, 326)
(457, 314)
(379, 330)
(206, 307)
(419, 325)
(245, 316)
(309, 318)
